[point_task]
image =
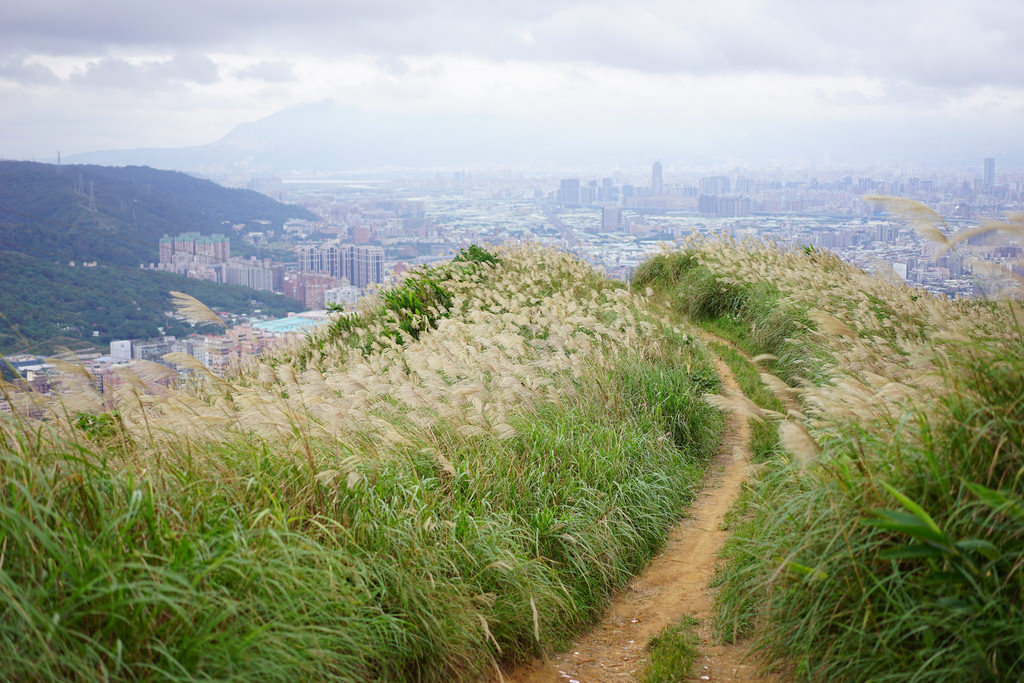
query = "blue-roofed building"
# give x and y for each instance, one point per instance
(294, 323)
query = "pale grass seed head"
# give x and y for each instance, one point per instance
(194, 310)
(795, 438)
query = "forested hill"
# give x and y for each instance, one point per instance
(116, 215)
(44, 304)
(51, 216)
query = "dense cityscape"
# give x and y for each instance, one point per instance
(372, 230)
(615, 221)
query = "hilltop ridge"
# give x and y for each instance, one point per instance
(462, 474)
(882, 538)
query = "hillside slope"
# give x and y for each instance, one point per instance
(884, 538)
(461, 474)
(45, 304)
(466, 470)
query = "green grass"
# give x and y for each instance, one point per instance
(764, 441)
(751, 315)
(897, 553)
(672, 652)
(735, 607)
(304, 557)
(414, 306)
(896, 563)
(257, 570)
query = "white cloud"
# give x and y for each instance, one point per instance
(26, 72)
(270, 71)
(147, 74)
(124, 73)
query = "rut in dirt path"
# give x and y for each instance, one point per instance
(673, 585)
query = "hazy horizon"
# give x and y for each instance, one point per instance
(526, 83)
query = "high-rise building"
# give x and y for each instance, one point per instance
(331, 260)
(309, 260)
(367, 266)
(361, 234)
(309, 288)
(587, 194)
(989, 181)
(657, 186)
(360, 265)
(568, 191)
(718, 185)
(166, 249)
(611, 219)
(723, 207)
(188, 249)
(252, 273)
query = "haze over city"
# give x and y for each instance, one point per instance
(527, 84)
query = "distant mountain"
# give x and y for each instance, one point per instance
(53, 215)
(325, 136)
(328, 136)
(117, 215)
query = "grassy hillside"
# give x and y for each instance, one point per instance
(52, 215)
(885, 541)
(462, 474)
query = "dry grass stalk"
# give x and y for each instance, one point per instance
(795, 438)
(510, 346)
(194, 310)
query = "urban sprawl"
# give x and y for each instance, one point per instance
(373, 230)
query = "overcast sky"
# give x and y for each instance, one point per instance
(741, 75)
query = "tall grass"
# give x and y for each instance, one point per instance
(764, 438)
(401, 312)
(890, 545)
(736, 608)
(752, 314)
(391, 507)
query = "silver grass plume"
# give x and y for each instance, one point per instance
(924, 219)
(194, 310)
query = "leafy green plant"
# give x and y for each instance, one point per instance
(418, 303)
(474, 253)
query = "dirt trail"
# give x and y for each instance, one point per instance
(787, 397)
(674, 584)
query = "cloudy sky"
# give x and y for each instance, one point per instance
(919, 81)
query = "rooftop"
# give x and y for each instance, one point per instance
(284, 325)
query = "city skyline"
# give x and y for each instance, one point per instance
(359, 234)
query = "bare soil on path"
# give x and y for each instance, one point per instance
(673, 585)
